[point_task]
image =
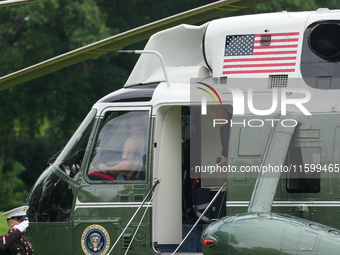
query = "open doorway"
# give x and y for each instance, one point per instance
(197, 189)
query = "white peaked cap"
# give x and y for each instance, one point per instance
(16, 212)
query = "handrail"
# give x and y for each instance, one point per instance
(151, 52)
(211, 202)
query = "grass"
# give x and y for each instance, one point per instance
(3, 225)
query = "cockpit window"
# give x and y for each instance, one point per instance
(52, 196)
(51, 199)
(120, 149)
(71, 157)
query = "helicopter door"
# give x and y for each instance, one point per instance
(167, 213)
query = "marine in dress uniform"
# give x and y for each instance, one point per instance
(14, 243)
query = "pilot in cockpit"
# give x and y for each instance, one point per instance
(133, 151)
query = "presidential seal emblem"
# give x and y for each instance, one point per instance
(95, 240)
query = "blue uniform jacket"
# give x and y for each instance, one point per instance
(14, 243)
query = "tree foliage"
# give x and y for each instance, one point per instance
(11, 192)
(39, 116)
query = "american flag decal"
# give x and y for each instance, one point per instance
(260, 53)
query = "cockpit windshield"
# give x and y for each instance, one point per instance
(71, 158)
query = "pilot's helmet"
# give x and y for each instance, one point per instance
(18, 213)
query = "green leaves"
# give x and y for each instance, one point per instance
(12, 193)
(84, 23)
